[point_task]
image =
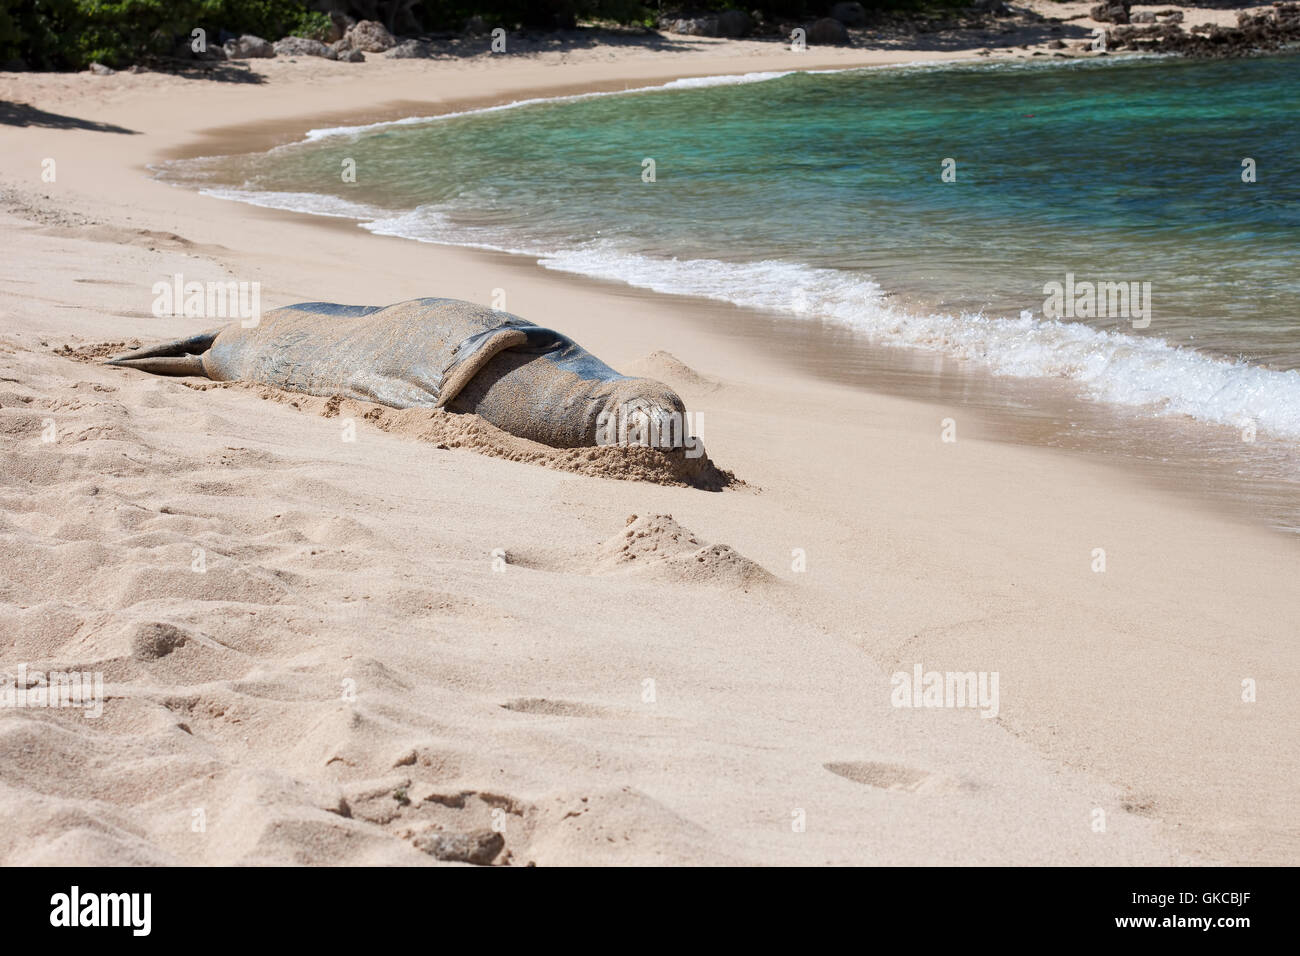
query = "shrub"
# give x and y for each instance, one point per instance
(313, 25)
(71, 34)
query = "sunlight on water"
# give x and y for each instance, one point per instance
(815, 195)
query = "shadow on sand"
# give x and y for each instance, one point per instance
(20, 114)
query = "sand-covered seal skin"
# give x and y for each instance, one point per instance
(528, 380)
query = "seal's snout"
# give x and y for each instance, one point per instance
(655, 426)
(646, 413)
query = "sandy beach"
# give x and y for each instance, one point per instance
(329, 633)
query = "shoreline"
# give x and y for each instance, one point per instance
(1119, 690)
(270, 133)
(1209, 478)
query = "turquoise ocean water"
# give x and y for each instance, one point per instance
(821, 196)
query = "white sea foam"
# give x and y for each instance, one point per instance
(700, 82)
(686, 83)
(314, 203)
(1110, 366)
(1125, 369)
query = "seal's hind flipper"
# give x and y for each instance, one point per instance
(166, 365)
(178, 357)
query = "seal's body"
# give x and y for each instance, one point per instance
(530, 381)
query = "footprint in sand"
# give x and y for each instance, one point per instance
(555, 708)
(883, 776)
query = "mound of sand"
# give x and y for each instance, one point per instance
(97, 351)
(656, 545)
(461, 430)
(669, 369)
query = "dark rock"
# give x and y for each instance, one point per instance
(351, 56)
(850, 14)
(369, 36)
(340, 24)
(734, 23)
(695, 27)
(828, 32)
(478, 846)
(410, 50)
(300, 46)
(1273, 29)
(1142, 18)
(249, 47)
(1112, 11)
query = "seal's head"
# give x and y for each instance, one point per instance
(641, 411)
(548, 389)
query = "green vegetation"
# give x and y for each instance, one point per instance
(71, 34)
(313, 25)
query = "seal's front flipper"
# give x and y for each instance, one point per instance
(179, 357)
(477, 350)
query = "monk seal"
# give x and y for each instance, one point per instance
(527, 380)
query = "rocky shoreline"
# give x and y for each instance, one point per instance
(1021, 30)
(1270, 31)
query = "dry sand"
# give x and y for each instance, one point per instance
(394, 650)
